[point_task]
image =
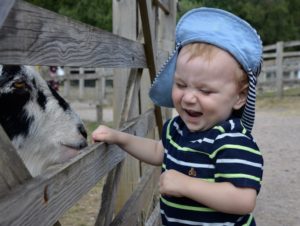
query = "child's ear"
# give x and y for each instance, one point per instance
(241, 98)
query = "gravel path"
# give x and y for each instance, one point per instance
(278, 136)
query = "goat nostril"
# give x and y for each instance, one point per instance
(83, 144)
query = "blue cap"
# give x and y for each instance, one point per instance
(224, 30)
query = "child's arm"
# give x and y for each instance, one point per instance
(223, 197)
(144, 149)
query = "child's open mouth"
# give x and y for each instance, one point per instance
(192, 113)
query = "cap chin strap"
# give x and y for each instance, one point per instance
(249, 110)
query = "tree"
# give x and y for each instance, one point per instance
(94, 12)
(275, 20)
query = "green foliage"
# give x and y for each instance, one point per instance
(275, 20)
(97, 13)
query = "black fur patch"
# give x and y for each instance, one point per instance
(13, 117)
(11, 70)
(34, 83)
(60, 100)
(82, 130)
(41, 99)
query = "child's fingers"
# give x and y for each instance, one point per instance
(96, 135)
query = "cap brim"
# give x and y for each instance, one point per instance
(161, 89)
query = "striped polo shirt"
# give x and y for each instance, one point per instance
(225, 153)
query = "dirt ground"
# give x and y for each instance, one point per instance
(277, 132)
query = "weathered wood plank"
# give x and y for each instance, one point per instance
(45, 198)
(5, 7)
(134, 206)
(109, 196)
(291, 54)
(285, 68)
(84, 76)
(163, 4)
(35, 36)
(149, 37)
(291, 43)
(269, 47)
(285, 54)
(154, 219)
(13, 172)
(279, 69)
(126, 173)
(130, 173)
(269, 55)
(150, 50)
(125, 28)
(271, 83)
(131, 95)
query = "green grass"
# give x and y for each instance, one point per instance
(84, 212)
(289, 103)
(290, 92)
(91, 126)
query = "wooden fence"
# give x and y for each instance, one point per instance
(30, 35)
(281, 66)
(100, 76)
(102, 93)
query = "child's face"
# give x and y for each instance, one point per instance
(205, 92)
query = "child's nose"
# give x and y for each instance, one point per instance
(189, 97)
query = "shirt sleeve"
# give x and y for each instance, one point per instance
(238, 161)
(164, 132)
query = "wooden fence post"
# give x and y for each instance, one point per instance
(12, 169)
(150, 50)
(67, 85)
(5, 7)
(126, 28)
(99, 103)
(279, 69)
(81, 84)
(166, 38)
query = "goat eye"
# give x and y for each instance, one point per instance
(19, 85)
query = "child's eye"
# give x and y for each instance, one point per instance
(180, 85)
(205, 91)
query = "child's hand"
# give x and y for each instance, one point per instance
(172, 182)
(104, 134)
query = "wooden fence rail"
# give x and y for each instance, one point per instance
(281, 66)
(31, 35)
(35, 36)
(41, 200)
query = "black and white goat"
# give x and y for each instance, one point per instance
(40, 123)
